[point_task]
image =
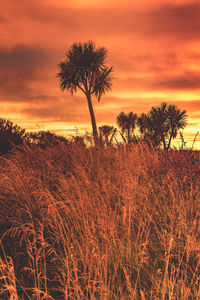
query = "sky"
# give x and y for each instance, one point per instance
(153, 46)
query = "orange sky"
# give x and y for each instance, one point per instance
(154, 47)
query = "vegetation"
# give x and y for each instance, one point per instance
(158, 127)
(162, 124)
(110, 221)
(106, 134)
(127, 124)
(11, 135)
(85, 69)
(99, 223)
(46, 138)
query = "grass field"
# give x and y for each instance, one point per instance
(107, 223)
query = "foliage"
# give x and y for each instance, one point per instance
(127, 123)
(106, 134)
(176, 120)
(79, 141)
(85, 68)
(149, 132)
(162, 124)
(46, 138)
(11, 135)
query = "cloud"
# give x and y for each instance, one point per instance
(180, 21)
(75, 109)
(2, 19)
(65, 109)
(128, 22)
(20, 68)
(191, 106)
(152, 46)
(188, 81)
(21, 57)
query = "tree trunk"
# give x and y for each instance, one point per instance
(93, 120)
(164, 142)
(170, 139)
(107, 142)
(128, 131)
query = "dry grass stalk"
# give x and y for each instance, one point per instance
(113, 223)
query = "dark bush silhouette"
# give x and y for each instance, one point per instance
(78, 141)
(46, 138)
(11, 135)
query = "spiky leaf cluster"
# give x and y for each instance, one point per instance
(85, 68)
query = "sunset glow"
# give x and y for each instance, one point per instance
(153, 46)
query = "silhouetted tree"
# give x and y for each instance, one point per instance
(177, 120)
(142, 123)
(85, 68)
(11, 135)
(162, 123)
(146, 128)
(106, 134)
(127, 124)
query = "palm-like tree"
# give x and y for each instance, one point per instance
(177, 119)
(144, 123)
(85, 69)
(107, 133)
(127, 124)
(158, 124)
(162, 123)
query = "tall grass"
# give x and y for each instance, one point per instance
(112, 223)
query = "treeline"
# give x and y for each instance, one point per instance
(85, 68)
(156, 128)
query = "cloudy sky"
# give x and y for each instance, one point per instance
(153, 45)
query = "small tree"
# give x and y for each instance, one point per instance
(162, 124)
(148, 134)
(107, 134)
(177, 120)
(127, 124)
(85, 69)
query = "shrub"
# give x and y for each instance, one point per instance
(46, 138)
(11, 135)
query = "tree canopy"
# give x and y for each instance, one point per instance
(162, 124)
(127, 124)
(85, 68)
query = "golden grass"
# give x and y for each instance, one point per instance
(112, 223)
